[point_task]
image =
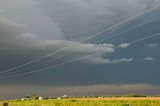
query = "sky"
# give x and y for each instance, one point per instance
(33, 29)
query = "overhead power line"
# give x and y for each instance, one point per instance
(78, 59)
(72, 45)
(115, 35)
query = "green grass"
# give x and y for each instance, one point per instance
(74, 102)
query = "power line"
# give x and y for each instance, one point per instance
(89, 37)
(4, 73)
(78, 59)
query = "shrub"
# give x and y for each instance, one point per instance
(5, 104)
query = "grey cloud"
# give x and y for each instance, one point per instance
(36, 23)
(30, 42)
(81, 17)
(156, 2)
(29, 14)
(1, 10)
(10, 29)
(82, 49)
(9, 33)
(50, 23)
(59, 20)
(33, 28)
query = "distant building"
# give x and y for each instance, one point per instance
(29, 98)
(64, 96)
(59, 98)
(26, 99)
(40, 98)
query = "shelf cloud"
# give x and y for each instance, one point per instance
(31, 29)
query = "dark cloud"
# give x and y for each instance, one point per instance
(78, 18)
(33, 28)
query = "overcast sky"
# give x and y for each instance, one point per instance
(30, 29)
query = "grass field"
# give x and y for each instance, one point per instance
(86, 102)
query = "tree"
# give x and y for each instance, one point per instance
(34, 97)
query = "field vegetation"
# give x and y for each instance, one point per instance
(121, 101)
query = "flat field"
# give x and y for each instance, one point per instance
(85, 102)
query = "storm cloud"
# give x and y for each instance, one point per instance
(30, 29)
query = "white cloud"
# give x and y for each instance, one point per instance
(123, 45)
(100, 60)
(148, 59)
(152, 45)
(121, 60)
